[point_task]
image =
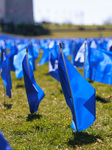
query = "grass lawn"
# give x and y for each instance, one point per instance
(78, 34)
(49, 128)
(72, 33)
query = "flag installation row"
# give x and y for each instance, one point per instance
(83, 94)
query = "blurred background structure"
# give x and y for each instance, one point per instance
(16, 11)
(16, 16)
(2, 9)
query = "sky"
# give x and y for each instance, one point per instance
(87, 12)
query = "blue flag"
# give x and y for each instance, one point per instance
(34, 93)
(13, 52)
(18, 58)
(8, 44)
(93, 44)
(48, 47)
(4, 145)
(78, 54)
(2, 55)
(34, 51)
(98, 65)
(5, 74)
(67, 44)
(109, 45)
(53, 67)
(82, 92)
(21, 46)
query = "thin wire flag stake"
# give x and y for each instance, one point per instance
(85, 44)
(3, 83)
(68, 84)
(27, 62)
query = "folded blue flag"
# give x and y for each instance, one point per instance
(45, 57)
(2, 55)
(34, 51)
(13, 52)
(8, 44)
(53, 67)
(98, 65)
(103, 45)
(4, 145)
(78, 54)
(49, 47)
(21, 46)
(109, 45)
(34, 93)
(82, 92)
(93, 44)
(18, 58)
(2, 44)
(5, 74)
(67, 45)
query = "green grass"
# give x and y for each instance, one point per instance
(49, 128)
(72, 34)
(71, 26)
(78, 34)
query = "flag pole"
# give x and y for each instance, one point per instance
(72, 49)
(3, 83)
(84, 57)
(68, 84)
(27, 62)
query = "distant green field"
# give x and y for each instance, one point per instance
(71, 26)
(57, 31)
(49, 128)
(70, 33)
(78, 34)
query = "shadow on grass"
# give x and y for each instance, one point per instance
(39, 128)
(82, 138)
(31, 117)
(61, 91)
(8, 106)
(47, 74)
(90, 81)
(20, 86)
(103, 100)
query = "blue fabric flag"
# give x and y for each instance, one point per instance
(49, 47)
(34, 51)
(103, 45)
(2, 55)
(45, 57)
(4, 145)
(13, 52)
(93, 44)
(18, 58)
(78, 54)
(34, 93)
(53, 67)
(21, 46)
(5, 74)
(67, 44)
(98, 65)
(82, 92)
(8, 44)
(2, 44)
(109, 45)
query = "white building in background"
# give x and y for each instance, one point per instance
(2, 9)
(16, 11)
